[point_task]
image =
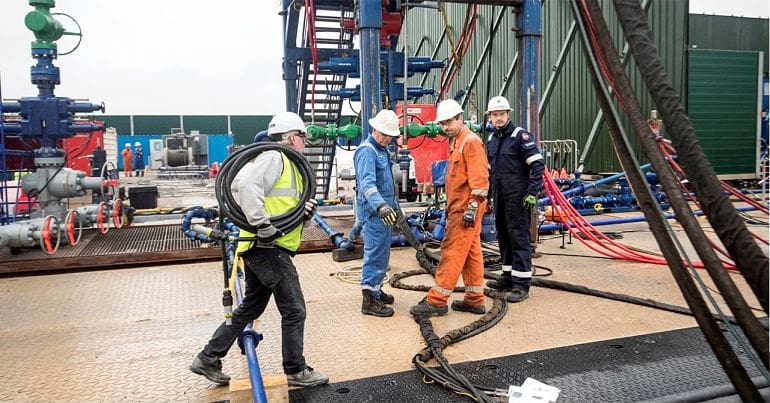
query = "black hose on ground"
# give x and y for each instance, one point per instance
(229, 207)
(445, 375)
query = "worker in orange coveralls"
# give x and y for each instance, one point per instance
(127, 156)
(467, 184)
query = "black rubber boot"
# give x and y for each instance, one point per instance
(373, 306)
(504, 283)
(386, 299)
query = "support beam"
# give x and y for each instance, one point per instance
(370, 20)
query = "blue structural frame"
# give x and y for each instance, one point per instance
(528, 39)
(370, 20)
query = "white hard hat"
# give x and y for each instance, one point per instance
(128, 145)
(285, 122)
(386, 122)
(498, 103)
(447, 109)
(137, 144)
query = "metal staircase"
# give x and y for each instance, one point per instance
(316, 106)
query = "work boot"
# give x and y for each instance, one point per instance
(307, 377)
(373, 306)
(504, 283)
(212, 372)
(517, 295)
(386, 299)
(462, 306)
(425, 308)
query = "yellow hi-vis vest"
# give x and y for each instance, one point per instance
(284, 196)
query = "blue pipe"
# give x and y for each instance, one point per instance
(585, 186)
(611, 221)
(370, 22)
(249, 340)
(290, 77)
(208, 214)
(528, 40)
(335, 237)
(400, 240)
(438, 228)
(187, 221)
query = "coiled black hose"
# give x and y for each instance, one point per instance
(229, 207)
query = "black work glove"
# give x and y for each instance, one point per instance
(310, 207)
(387, 214)
(267, 234)
(469, 218)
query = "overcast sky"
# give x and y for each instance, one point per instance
(182, 56)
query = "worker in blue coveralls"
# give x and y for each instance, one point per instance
(138, 159)
(376, 210)
(516, 176)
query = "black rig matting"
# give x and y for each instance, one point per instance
(630, 369)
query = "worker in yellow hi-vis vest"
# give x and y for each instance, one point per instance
(268, 186)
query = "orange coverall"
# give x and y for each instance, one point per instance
(467, 178)
(127, 156)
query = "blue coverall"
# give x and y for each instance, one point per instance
(374, 181)
(139, 161)
(516, 170)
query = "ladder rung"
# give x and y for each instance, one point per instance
(327, 18)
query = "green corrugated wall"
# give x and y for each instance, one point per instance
(242, 127)
(209, 124)
(121, 123)
(729, 33)
(245, 127)
(572, 107)
(724, 89)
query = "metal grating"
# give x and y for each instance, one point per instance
(140, 240)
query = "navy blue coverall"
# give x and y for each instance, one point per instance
(515, 171)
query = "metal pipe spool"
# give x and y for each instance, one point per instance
(27, 234)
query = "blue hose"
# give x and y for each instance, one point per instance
(610, 221)
(585, 186)
(207, 214)
(335, 237)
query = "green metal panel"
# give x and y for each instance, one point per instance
(121, 123)
(156, 124)
(209, 124)
(724, 88)
(572, 108)
(245, 127)
(729, 33)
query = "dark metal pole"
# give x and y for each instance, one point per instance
(756, 334)
(649, 206)
(751, 261)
